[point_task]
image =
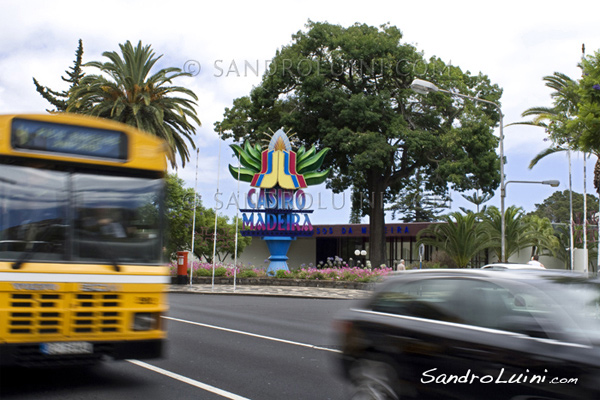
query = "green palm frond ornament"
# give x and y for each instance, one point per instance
(278, 165)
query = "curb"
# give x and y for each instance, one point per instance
(272, 291)
(305, 283)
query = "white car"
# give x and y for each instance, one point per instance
(511, 266)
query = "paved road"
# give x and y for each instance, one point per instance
(220, 346)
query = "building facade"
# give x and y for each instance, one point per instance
(342, 240)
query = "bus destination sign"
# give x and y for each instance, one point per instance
(68, 139)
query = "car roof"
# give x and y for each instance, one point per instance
(512, 266)
(487, 273)
(532, 277)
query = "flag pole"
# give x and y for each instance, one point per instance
(237, 213)
(194, 220)
(215, 233)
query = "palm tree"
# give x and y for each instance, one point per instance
(556, 118)
(543, 236)
(133, 96)
(518, 230)
(460, 236)
(562, 122)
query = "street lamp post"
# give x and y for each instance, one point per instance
(425, 87)
(553, 183)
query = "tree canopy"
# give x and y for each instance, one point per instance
(349, 89)
(587, 123)
(180, 214)
(557, 207)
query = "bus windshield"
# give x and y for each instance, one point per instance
(76, 216)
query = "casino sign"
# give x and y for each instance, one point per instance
(279, 174)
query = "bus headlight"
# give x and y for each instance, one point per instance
(145, 321)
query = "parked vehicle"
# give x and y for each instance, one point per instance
(475, 334)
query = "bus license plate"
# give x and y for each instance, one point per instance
(67, 348)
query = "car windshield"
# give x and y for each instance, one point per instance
(52, 215)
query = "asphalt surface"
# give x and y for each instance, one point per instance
(271, 343)
(257, 347)
(247, 341)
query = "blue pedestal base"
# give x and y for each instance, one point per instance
(278, 247)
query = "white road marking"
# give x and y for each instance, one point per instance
(189, 381)
(220, 328)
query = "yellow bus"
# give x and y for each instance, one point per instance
(81, 271)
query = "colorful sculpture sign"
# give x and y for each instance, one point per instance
(278, 166)
(280, 174)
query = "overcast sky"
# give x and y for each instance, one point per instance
(228, 44)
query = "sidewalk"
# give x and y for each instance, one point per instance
(268, 290)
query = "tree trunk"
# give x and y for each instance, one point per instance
(377, 246)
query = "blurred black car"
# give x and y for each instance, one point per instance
(475, 334)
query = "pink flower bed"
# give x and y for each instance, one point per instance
(354, 274)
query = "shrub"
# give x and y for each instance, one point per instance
(248, 273)
(281, 273)
(203, 272)
(316, 275)
(333, 274)
(302, 274)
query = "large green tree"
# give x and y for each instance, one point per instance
(348, 88)
(129, 92)
(179, 210)
(180, 216)
(59, 98)
(556, 207)
(225, 247)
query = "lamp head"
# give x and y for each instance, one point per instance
(553, 183)
(423, 87)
